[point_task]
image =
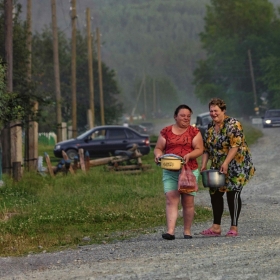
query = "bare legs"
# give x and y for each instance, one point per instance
(188, 212)
(172, 202)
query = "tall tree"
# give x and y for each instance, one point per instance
(18, 103)
(42, 53)
(231, 29)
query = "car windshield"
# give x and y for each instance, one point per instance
(147, 124)
(272, 114)
(203, 120)
(83, 135)
(93, 135)
(206, 120)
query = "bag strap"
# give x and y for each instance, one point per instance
(186, 167)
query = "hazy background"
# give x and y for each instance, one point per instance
(158, 39)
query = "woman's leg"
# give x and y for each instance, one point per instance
(172, 202)
(217, 202)
(188, 212)
(234, 205)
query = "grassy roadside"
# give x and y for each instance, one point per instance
(41, 213)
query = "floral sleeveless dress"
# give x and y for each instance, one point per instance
(217, 145)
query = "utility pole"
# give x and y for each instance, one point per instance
(154, 97)
(9, 42)
(73, 77)
(253, 82)
(100, 78)
(138, 95)
(6, 132)
(145, 97)
(90, 73)
(29, 38)
(56, 73)
(15, 126)
(31, 137)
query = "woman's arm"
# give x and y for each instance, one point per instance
(160, 147)
(231, 154)
(235, 132)
(197, 145)
(204, 161)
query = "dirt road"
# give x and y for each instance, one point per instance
(254, 254)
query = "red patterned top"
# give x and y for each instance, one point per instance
(180, 144)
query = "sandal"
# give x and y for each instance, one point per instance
(231, 233)
(168, 236)
(210, 232)
(186, 236)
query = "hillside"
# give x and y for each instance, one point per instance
(158, 38)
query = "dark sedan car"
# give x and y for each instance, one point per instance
(271, 118)
(103, 141)
(140, 128)
(202, 121)
(149, 127)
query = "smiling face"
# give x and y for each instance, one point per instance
(217, 114)
(183, 118)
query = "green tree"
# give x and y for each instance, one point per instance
(158, 38)
(271, 67)
(44, 77)
(14, 105)
(2, 91)
(42, 86)
(231, 29)
(11, 107)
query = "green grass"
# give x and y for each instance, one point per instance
(44, 213)
(42, 149)
(252, 134)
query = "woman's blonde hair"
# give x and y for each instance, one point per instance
(218, 102)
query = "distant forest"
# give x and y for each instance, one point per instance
(158, 40)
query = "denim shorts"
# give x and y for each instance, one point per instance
(170, 180)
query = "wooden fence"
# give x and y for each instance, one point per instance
(84, 163)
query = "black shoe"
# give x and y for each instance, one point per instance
(168, 236)
(187, 236)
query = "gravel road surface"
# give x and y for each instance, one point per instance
(254, 254)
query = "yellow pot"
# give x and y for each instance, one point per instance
(171, 162)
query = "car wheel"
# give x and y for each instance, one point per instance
(71, 153)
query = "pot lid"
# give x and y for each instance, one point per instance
(171, 156)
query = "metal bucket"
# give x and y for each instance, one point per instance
(213, 178)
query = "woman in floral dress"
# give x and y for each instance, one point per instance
(226, 147)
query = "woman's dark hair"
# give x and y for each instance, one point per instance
(218, 102)
(183, 106)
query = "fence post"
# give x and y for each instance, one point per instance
(64, 131)
(17, 171)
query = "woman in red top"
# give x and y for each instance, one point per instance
(183, 140)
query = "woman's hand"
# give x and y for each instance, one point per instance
(224, 168)
(159, 148)
(232, 152)
(202, 168)
(157, 156)
(186, 158)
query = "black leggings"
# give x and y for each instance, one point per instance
(234, 205)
